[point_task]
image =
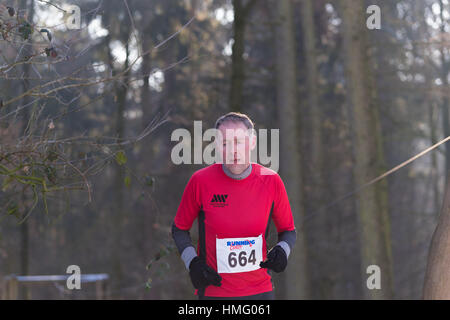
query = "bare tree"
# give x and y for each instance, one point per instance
(371, 203)
(295, 278)
(437, 277)
(241, 13)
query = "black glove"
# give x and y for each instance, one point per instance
(203, 275)
(276, 260)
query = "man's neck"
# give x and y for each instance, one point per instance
(244, 174)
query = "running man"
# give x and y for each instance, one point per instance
(234, 202)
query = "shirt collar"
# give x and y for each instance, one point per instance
(244, 174)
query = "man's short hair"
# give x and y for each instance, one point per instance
(235, 117)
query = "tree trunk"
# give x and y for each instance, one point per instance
(445, 69)
(146, 103)
(118, 210)
(434, 161)
(241, 12)
(371, 203)
(24, 293)
(313, 132)
(294, 279)
(315, 135)
(437, 276)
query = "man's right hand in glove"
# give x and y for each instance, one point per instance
(203, 275)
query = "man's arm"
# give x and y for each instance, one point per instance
(283, 218)
(200, 273)
(184, 245)
(186, 214)
(286, 240)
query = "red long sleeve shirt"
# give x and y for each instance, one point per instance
(235, 209)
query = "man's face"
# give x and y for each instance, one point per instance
(235, 144)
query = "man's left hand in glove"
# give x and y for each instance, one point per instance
(276, 259)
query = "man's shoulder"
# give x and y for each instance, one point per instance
(265, 172)
(206, 172)
(269, 177)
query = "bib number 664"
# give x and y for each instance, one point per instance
(234, 258)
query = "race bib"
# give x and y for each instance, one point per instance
(238, 254)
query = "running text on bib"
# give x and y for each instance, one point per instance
(238, 254)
